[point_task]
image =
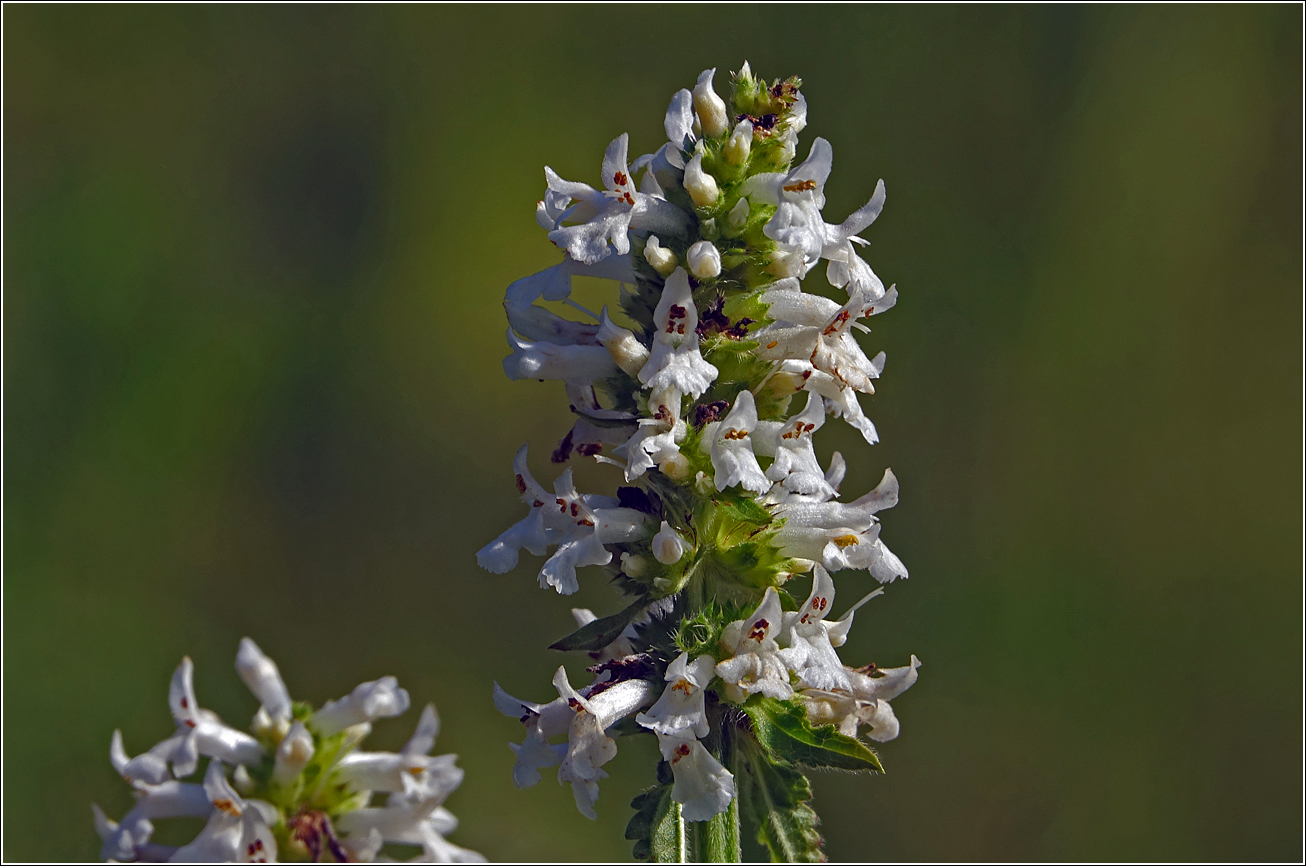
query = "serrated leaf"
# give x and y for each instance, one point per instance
(773, 797)
(747, 511)
(784, 731)
(656, 827)
(598, 634)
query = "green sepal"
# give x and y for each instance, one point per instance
(656, 827)
(598, 634)
(783, 730)
(774, 798)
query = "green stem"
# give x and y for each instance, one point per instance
(716, 840)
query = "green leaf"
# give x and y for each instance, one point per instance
(601, 632)
(747, 511)
(783, 730)
(656, 827)
(773, 797)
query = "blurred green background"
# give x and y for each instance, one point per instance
(253, 267)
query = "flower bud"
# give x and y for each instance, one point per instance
(740, 143)
(788, 264)
(668, 546)
(634, 565)
(266, 727)
(242, 781)
(701, 185)
(704, 260)
(293, 755)
(738, 216)
(629, 353)
(708, 106)
(676, 467)
(662, 259)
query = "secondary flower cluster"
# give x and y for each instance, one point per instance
(298, 786)
(706, 396)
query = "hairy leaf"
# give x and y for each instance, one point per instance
(773, 797)
(601, 632)
(656, 827)
(783, 729)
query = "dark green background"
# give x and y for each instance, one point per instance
(253, 266)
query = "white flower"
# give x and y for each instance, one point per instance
(200, 732)
(812, 329)
(545, 360)
(675, 361)
(668, 546)
(798, 226)
(680, 709)
(812, 639)
(603, 219)
(662, 259)
(740, 143)
(584, 716)
(709, 107)
(842, 535)
(628, 352)
(865, 703)
(263, 679)
(580, 526)
(293, 754)
(240, 816)
(702, 187)
(703, 787)
(543, 722)
(654, 443)
(554, 283)
(704, 260)
(795, 466)
(237, 830)
(679, 120)
(378, 699)
(731, 447)
(757, 665)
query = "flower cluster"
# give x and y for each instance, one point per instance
(298, 786)
(705, 391)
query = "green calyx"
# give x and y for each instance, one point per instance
(317, 787)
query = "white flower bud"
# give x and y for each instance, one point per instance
(740, 143)
(264, 725)
(242, 781)
(788, 264)
(633, 564)
(708, 106)
(293, 755)
(676, 467)
(668, 546)
(629, 353)
(738, 216)
(701, 185)
(662, 259)
(704, 260)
